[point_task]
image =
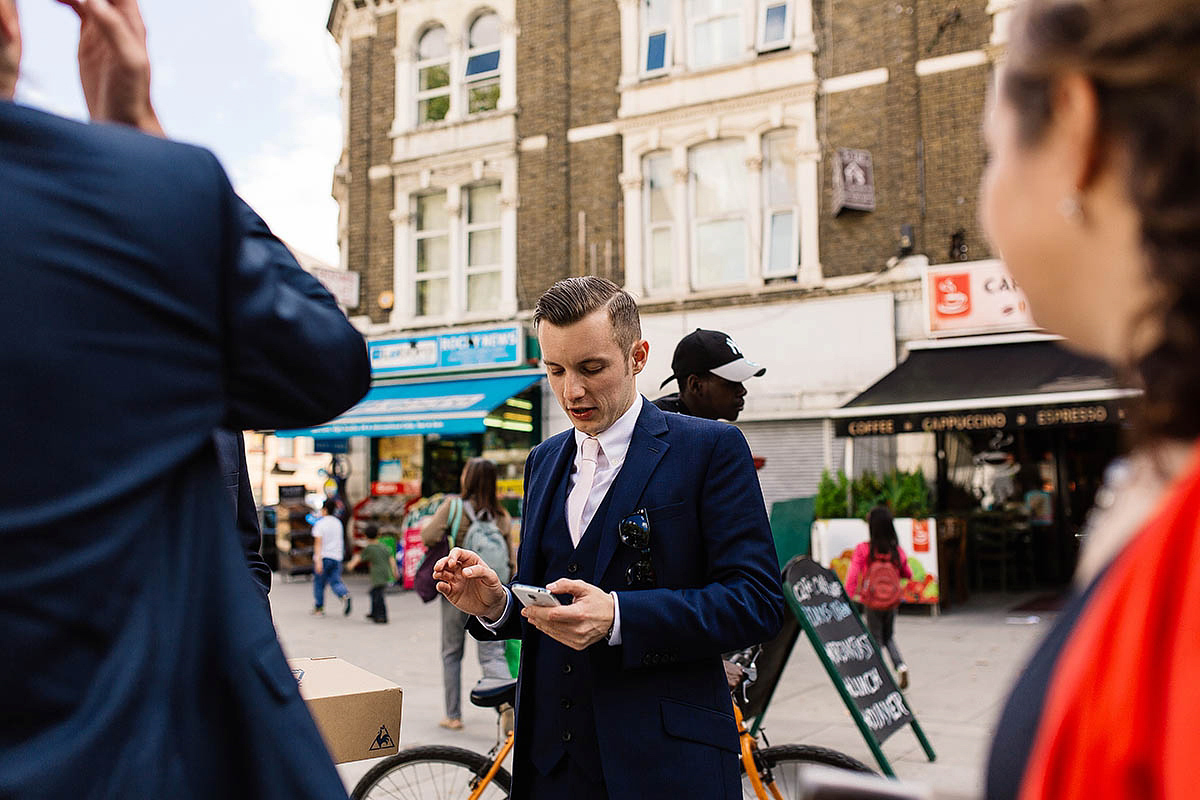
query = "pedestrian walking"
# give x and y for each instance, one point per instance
(329, 549)
(1091, 195)
(874, 579)
(477, 502)
(710, 371)
(382, 566)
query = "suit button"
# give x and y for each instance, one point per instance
(566, 669)
(572, 568)
(566, 702)
(566, 736)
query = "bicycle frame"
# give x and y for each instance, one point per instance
(749, 746)
(491, 773)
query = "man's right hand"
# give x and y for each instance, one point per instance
(470, 584)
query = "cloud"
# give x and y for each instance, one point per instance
(288, 177)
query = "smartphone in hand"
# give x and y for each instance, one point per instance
(538, 596)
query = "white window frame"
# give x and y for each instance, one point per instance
(692, 22)
(649, 228)
(694, 222)
(470, 82)
(760, 40)
(447, 90)
(468, 228)
(769, 210)
(644, 48)
(448, 272)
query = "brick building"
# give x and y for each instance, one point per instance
(690, 150)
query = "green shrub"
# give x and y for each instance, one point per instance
(831, 496)
(906, 494)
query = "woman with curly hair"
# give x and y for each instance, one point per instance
(1093, 198)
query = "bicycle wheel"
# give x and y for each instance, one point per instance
(784, 762)
(432, 772)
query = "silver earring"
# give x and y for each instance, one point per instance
(1071, 208)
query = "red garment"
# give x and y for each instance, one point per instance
(858, 567)
(1120, 715)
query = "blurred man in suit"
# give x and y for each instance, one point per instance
(154, 308)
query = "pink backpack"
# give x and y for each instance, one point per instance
(881, 588)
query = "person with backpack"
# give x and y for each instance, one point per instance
(882, 566)
(474, 520)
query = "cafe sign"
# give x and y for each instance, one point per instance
(985, 419)
(975, 297)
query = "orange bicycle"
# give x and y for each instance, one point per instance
(437, 772)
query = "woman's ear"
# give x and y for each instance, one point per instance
(1075, 129)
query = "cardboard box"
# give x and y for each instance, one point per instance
(357, 712)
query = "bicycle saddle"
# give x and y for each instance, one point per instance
(492, 692)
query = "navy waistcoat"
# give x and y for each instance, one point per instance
(564, 722)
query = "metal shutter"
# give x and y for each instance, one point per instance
(795, 451)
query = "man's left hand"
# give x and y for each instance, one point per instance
(584, 622)
(114, 65)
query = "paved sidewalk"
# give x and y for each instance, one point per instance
(961, 664)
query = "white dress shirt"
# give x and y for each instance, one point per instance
(614, 445)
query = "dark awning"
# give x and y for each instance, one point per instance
(1012, 385)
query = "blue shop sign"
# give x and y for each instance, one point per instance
(488, 348)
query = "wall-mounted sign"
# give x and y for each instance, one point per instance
(1108, 412)
(341, 283)
(853, 181)
(488, 348)
(978, 297)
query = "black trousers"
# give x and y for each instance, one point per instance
(881, 624)
(378, 609)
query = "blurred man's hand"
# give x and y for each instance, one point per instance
(470, 584)
(114, 64)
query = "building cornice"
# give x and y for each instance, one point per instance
(799, 93)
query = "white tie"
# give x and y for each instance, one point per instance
(582, 488)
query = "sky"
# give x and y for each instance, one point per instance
(255, 81)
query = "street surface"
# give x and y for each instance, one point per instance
(960, 664)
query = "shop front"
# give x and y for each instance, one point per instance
(437, 401)
(1014, 432)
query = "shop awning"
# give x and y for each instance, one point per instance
(446, 407)
(1012, 385)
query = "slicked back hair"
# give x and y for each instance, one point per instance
(572, 299)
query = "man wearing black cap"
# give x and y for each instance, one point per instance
(710, 370)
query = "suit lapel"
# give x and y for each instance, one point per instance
(646, 449)
(546, 488)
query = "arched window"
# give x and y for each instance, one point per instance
(781, 239)
(433, 76)
(658, 208)
(483, 64)
(718, 184)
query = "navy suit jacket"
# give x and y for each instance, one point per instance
(147, 307)
(664, 717)
(231, 459)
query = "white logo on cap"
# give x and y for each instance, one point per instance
(732, 346)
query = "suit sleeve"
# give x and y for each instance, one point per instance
(293, 358)
(741, 603)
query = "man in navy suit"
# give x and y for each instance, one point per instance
(148, 308)
(654, 525)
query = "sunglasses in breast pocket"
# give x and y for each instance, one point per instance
(634, 530)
